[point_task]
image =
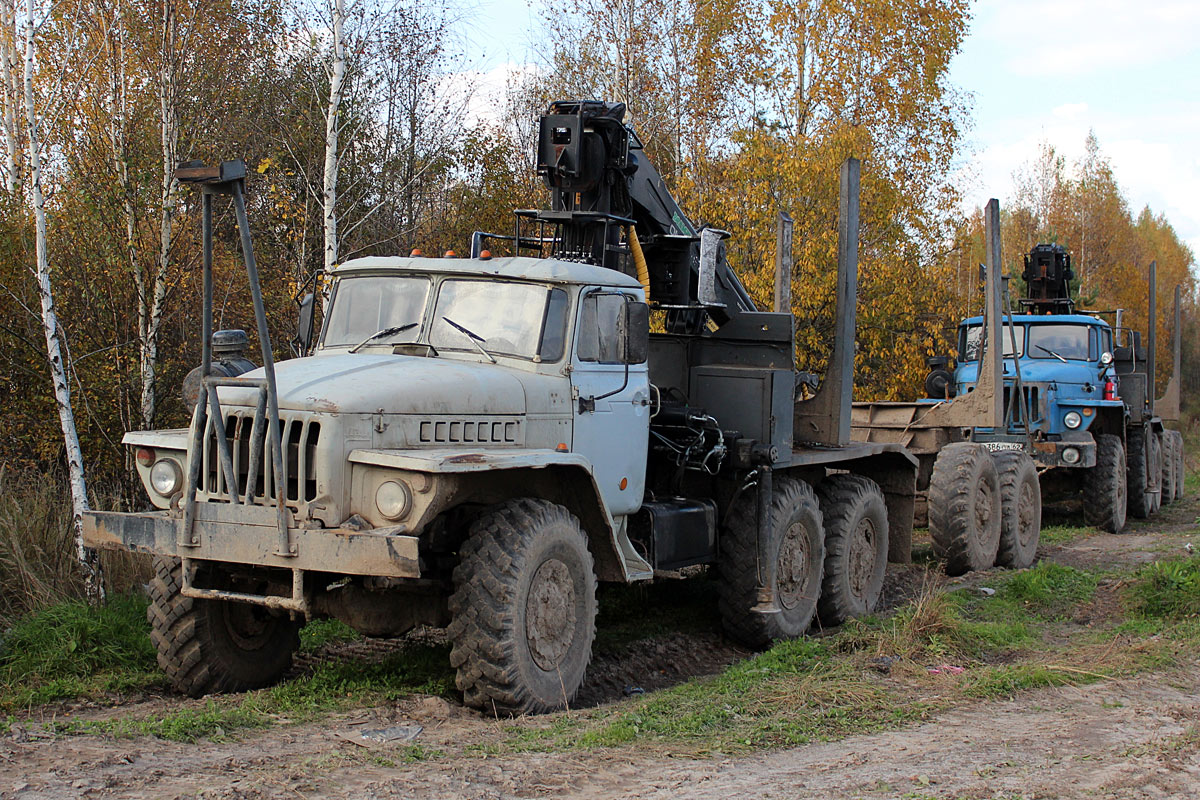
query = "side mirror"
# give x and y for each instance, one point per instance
(633, 331)
(304, 326)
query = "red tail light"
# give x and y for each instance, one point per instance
(1110, 390)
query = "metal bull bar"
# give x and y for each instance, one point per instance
(229, 179)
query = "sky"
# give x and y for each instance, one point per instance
(1037, 71)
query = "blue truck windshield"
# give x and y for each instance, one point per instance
(1036, 340)
(970, 335)
(1065, 341)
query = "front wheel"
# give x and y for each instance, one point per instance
(1137, 454)
(964, 507)
(523, 609)
(207, 646)
(1020, 510)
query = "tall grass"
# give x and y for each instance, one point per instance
(37, 547)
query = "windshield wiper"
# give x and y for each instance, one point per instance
(383, 333)
(1051, 352)
(475, 338)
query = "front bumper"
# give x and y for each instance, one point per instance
(241, 534)
(1051, 454)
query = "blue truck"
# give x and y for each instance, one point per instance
(1086, 397)
(1063, 407)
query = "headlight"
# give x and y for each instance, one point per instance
(393, 499)
(1071, 455)
(165, 477)
(1072, 419)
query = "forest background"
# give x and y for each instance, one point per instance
(356, 123)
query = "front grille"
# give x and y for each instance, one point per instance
(469, 431)
(1032, 397)
(300, 437)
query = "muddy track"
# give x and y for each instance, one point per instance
(1135, 738)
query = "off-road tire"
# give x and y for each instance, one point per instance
(523, 610)
(1136, 467)
(1104, 486)
(797, 540)
(1167, 479)
(964, 507)
(1020, 509)
(1155, 470)
(856, 547)
(1180, 471)
(208, 646)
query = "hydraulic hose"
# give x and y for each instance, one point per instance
(639, 261)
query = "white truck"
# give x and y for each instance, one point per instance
(476, 442)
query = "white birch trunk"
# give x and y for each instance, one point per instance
(88, 561)
(332, 128)
(8, 74)
(153, 308)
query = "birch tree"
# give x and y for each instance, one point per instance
(8, 86)
(88, 559)
(337, 76)
(152, 298)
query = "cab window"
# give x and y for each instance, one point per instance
(1066, 341)
(598, 338)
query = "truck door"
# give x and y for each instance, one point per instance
(611, 395)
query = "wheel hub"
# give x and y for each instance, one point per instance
(791, 570)
(550, 614)
(248, 626)
(862, 557)
(1026, 513)
(983, 506)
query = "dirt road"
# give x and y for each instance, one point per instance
(1123, 739)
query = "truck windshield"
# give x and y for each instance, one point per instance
(365, 305)
(514, 319)
(1067, 341)
(969, 337)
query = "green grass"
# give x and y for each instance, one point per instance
(1061, 534)
(798, 691)
(330, 688)
(1048, 589)
(1167, 589)
(992, 683)
(77, 650)
(320, 632)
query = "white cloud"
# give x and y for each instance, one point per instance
(1070, 110)
(1055, 38)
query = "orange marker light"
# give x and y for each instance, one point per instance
(624, 483)
(449, 254)
(416, 251)
(485, 254)
(561, 447)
